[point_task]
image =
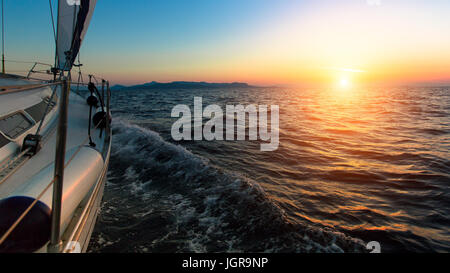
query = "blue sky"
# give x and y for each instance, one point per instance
(142, 40)
(127, 31)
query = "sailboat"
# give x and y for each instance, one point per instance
(54, 147)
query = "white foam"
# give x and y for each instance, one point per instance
(221, 209)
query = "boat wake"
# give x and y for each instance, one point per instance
(162, 198)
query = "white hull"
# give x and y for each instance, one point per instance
(86, 166)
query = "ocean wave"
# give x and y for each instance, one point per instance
(160, 197)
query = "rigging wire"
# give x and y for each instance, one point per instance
(25, 62)
(53, 21)
(80, 76)
(3, 39)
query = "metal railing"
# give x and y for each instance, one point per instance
(55, 243)
(9, 89)
(34, 66)
(29, 71)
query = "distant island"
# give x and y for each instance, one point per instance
(181, 85)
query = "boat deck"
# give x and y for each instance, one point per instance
(77, 133)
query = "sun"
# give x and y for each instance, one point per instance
(344, 83)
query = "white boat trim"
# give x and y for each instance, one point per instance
(82, 220)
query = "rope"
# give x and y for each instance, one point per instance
(46, 110)
(91, 143)
(13, 160)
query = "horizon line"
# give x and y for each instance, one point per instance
(424, 83)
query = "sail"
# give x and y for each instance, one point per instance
(73, 21)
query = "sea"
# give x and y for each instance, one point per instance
(353, 166)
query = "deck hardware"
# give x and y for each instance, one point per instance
(33, 142)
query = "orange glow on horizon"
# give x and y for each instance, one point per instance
(390, 44)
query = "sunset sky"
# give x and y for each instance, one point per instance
(255, 41)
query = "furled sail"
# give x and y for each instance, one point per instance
(73, 21)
